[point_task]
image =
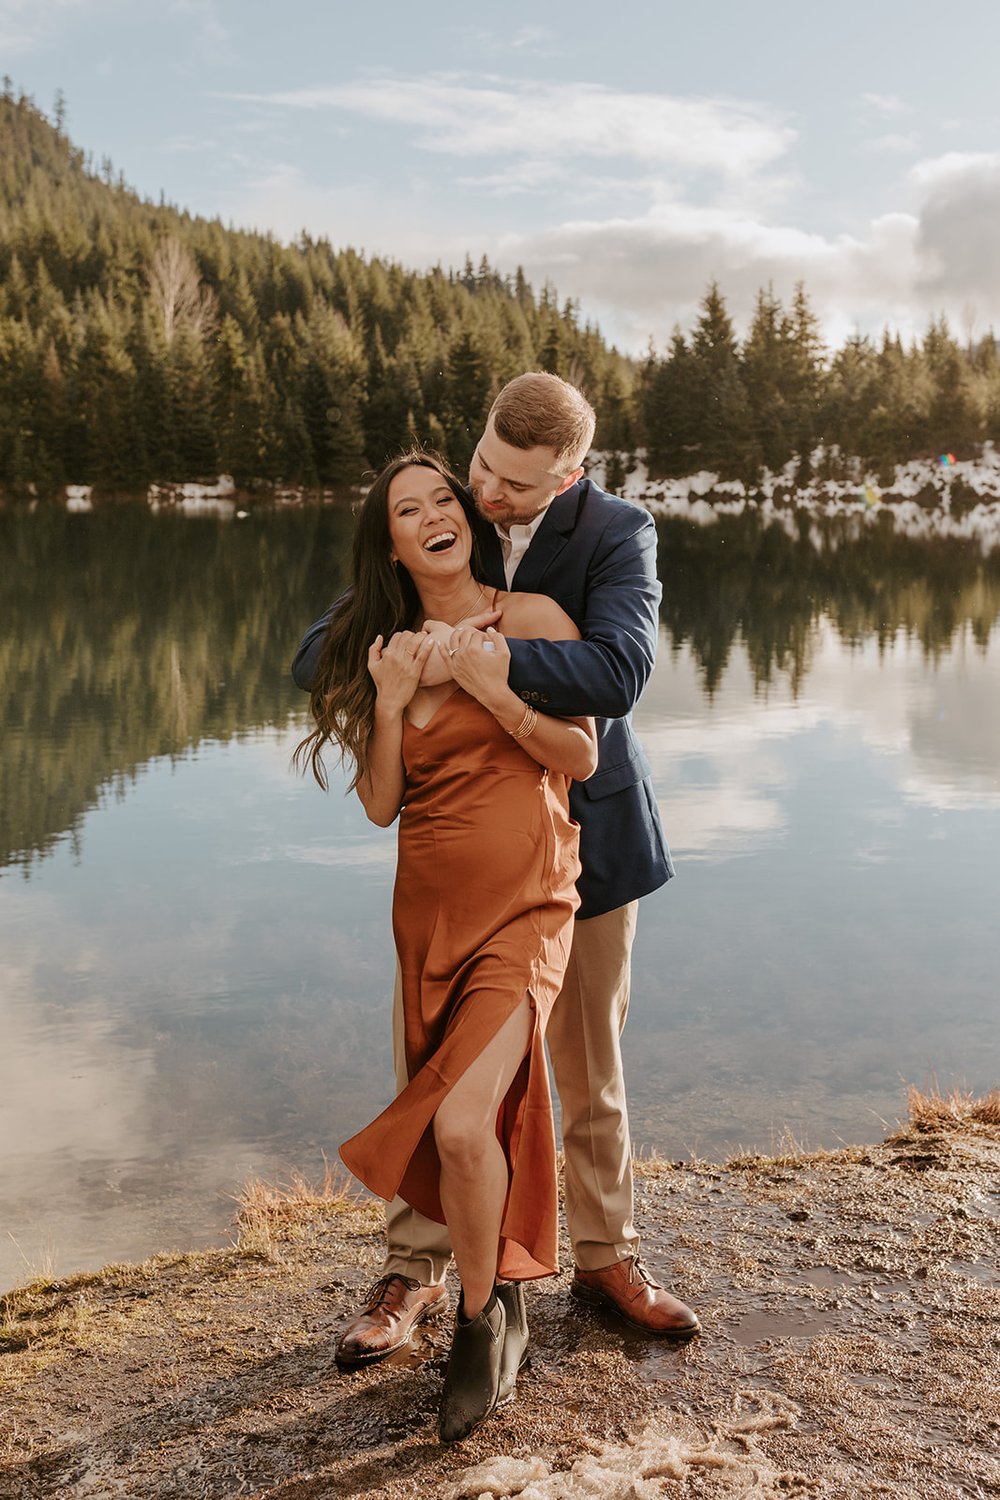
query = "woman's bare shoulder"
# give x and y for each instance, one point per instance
(530, 616)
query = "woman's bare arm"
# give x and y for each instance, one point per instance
(395, 670)
(565, 745)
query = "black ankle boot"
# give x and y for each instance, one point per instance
(515, 1344)
(472, 1379)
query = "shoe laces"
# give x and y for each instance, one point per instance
(378, 1292)
(639, 1268)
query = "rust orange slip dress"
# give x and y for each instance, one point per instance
(482, 915)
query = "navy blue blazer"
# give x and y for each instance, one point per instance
(595, 555)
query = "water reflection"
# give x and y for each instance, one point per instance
(194, 952)
(129, 636)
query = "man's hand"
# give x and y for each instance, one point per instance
(437, 667)
(480, 622)
(396, 668)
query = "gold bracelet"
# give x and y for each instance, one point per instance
(526, 725)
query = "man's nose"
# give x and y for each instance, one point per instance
(491, 487)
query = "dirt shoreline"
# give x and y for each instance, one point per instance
(851, 1303)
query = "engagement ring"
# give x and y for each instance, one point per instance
(489, 646)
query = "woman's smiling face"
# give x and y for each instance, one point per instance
(428, 529)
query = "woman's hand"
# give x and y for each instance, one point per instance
(480, 662)
(437, 667)
(396, 668)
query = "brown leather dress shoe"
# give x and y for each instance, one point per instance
(393, 1308)
(627, 1288)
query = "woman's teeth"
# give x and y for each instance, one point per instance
(440, 542)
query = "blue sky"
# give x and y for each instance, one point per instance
(627, 152)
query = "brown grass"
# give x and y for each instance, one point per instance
(271, 1213)
(791, 1152)
(957, 1110)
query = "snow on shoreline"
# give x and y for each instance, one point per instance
(926, 498)
(922, 499)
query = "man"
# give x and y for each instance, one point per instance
(547, 529)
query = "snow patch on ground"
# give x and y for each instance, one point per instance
(674, 1449)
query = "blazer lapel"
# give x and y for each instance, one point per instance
(547, 542)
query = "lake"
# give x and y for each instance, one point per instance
(195, 956)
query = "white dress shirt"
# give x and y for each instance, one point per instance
(515, 543)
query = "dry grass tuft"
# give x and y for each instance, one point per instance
(791, 1152)
(957, 1110)
(270, 1213)
(647, 1162)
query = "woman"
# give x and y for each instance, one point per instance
(483, 901)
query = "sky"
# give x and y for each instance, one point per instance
(628, 152)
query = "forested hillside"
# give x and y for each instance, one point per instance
(140, 344)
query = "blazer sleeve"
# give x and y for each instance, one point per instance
(604, 673)
(305, 663)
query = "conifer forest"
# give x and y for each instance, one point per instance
(141, 344)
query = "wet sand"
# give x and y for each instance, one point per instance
(851, 1347)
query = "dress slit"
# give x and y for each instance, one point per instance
(483, 910)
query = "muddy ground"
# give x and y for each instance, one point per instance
(851, 1308)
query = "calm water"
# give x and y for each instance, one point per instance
(195, 959)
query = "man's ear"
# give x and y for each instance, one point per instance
(569, 481)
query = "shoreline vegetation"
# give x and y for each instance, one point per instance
(850, 1299)
(142, 345)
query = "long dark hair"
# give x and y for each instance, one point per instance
(383, 599)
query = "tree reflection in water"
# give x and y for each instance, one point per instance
(129, 636)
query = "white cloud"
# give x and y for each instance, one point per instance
(958, 236)
(562, 122)
(954, 168)
(640, 274)
(644, 273)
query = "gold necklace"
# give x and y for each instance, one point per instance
(466, 613)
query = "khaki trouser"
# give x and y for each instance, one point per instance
(583, 1036)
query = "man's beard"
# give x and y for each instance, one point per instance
(503, 515)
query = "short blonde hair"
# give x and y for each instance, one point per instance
(538, 410)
